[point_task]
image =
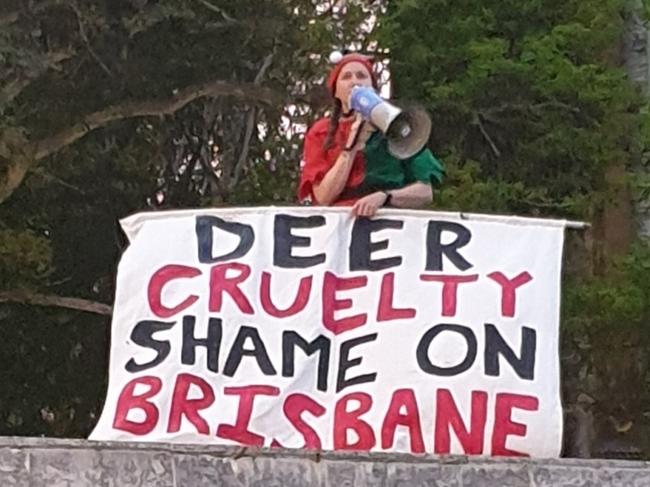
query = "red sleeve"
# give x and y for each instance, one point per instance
(314, 164)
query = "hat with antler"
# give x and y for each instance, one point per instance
(340, 59)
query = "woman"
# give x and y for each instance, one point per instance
(346, 161)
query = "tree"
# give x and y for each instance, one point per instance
(108, 107)
(526, 113)
(533, 114)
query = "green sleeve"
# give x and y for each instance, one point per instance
(424, 167)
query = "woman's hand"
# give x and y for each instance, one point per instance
(368, 205)
(360, 132)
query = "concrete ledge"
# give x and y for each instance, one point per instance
(37, 462)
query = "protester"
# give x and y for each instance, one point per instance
(346, 160)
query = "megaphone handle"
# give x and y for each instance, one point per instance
(351, 144)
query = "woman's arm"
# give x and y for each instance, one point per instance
(330, 187)
(414, 195)
(332, 184)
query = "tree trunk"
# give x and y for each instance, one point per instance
(635, 62)
(618, 220)
(16, 157)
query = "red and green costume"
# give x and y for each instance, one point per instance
(374, 168)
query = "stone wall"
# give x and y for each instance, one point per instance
(37, 462)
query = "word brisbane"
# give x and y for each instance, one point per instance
(303, 416)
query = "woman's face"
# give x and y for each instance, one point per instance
(352, 74)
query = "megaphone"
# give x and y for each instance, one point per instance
(407, 130)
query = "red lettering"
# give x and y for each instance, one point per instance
(183, 406)
(503, 424)
(449, 289)
(345, 420)
(299, 302)
(158, 281)
(239, 431)
(386, 311)
(331, 285)
(128, 401)
(411, 419)
(447, 415)
(294, 406)
(220, 283)
(508, 288)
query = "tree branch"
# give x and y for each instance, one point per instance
(11, 17)
(25, 297)
(148, 108)
(30, 152)
(486, 136)
(50, 177)
(14, 87)
(250, 125)
(84, 38)
(243, 155)
(218, 10)
(15, 159)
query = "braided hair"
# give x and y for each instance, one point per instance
(334, 124)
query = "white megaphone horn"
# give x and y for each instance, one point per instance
(407, 130)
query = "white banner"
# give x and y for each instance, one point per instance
(304, 327)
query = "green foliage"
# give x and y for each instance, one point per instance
(526, 98)
(606, 347)
(25, 257)
(640, 180)
(617, 301)
(53, 361)
(59, 231)
(530, 110)
(645, 7)
(466, 189)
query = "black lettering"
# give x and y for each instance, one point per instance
(142, 335)
(285, 241)
(361, 247)
(423, 350)
(237, 352)
(495, 345)
(291, 340)
(345, 363)
(205, 239)
(212, 342)
(435, 248)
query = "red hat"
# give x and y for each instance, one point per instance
(342, 60)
